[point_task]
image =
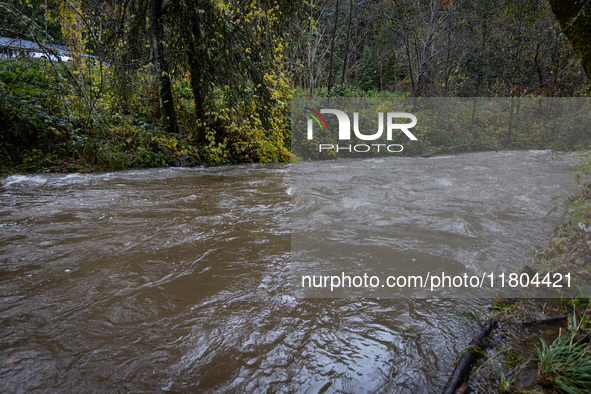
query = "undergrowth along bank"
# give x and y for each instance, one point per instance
(57, 119)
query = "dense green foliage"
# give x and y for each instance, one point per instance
(44, 126)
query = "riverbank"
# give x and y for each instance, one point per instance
(543, 345)
(58, 118)
(54, 118)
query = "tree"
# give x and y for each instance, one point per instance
(426, 28)
(574, 18)
(332, 40)
(232, 46)
(163, 71)
(43, 13)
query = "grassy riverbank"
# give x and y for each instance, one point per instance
(544, 346)
(565, 363)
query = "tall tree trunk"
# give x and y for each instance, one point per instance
(574, 18)
(347, 43)
(334, 33)
(164, 86)
(196, 67)
(425, 53)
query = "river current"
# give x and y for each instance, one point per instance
(178, 280)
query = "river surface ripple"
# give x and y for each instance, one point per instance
(178, 280)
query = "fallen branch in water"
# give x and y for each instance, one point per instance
(447, 150)
(528, 323)
(462, 369)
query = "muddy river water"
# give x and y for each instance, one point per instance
(178, 280)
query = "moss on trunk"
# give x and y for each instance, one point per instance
(574, 18)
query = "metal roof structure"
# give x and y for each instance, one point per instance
(18, 43)
(10, 47)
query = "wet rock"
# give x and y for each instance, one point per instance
(585, 223)
(527, 376)
(164, 149)
(184, 161)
